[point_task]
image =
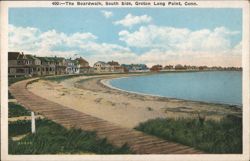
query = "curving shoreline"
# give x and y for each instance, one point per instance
(108, 83)
(88, 94)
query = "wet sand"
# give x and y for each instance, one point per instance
(88, 94)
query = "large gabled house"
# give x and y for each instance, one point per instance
(115, 67)
(48, 66)
(73, 67)
(35, 64)
(53, 65)
(110, 67)
(179, 67)
(20, 64)
(102, 67)
(60, 65)
(135, 67)
(169, 67)
(84, 66)
(156, 68)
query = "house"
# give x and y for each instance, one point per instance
(135, 68)
(60, 65)
(115, 67)
(22, 65)
(35, 65)
(169, 67)
(48, 66)
(17, 64)
(156, 68)
(110, 67)
(189, 67)
(73, 67)
(102, 67)
(203, 68)
(179, 67)
(84, 66)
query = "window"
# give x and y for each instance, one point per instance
(20, 70)
(30, 71)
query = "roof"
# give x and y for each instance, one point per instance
(75, 62)
(13, 55)
(141, 65)
(28, 56)
(81, 60)
(113, 63)
(155, 67)
(44, 59)
(56, 59)
(101, 62)
(179, 65)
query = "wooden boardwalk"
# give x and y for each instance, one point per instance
(138, 142)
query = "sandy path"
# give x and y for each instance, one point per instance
(125, 109)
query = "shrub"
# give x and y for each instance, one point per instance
(223, 136)
(52, 138)
(16, 110)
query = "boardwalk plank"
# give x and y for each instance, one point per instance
(139, 142)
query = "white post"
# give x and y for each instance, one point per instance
(33, 123)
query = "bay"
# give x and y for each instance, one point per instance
(211, 86)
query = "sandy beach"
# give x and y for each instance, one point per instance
(88, 94)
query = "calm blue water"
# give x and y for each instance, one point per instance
(215, 86)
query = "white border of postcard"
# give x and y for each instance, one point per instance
(218, 157)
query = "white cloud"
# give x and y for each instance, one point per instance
(25, 38)
(178, 39)
(131, 20)
(168, 45)
(107, 52)
(237, 49)
(156, 56)
(160, 45)
(107, 14)
(53, 43)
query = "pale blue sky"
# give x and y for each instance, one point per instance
(91, 20)
(82, 20)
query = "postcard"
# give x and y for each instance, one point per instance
(125, 80)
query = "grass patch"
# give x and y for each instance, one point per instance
(210, 136)
(16, 110)
(20, 127)
(52, 138)
(61, 78)
(12, 80)
(10, 95)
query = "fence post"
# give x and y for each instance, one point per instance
(33, 123)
